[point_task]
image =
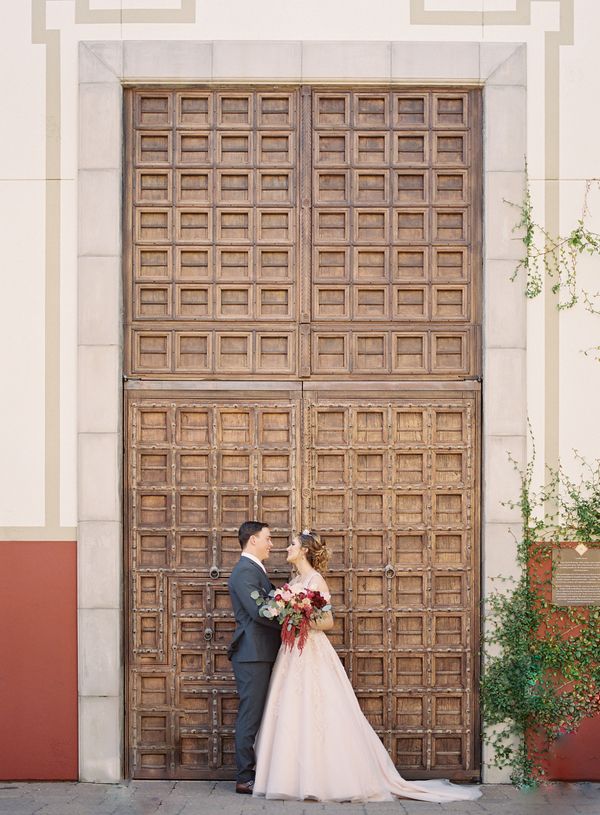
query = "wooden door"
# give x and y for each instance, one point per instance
(198, 466)
(392, 482)
(302, 278)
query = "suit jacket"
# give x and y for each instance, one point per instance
(256, 639)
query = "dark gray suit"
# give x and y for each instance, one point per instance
(253, 651)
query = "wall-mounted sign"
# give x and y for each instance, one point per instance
(576, 576)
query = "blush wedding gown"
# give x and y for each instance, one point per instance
(315, 742)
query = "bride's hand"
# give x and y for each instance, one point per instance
(324, 623)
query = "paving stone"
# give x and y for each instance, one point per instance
(219, 798)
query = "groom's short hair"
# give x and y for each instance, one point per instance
(249, 528)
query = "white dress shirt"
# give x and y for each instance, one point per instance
(255, 559)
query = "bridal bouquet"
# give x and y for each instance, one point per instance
(294, 607)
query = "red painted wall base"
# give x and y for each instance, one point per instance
(38, 660)
(576, 757)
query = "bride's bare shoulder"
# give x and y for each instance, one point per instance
(319, 583)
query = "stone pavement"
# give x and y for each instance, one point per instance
(218, 798)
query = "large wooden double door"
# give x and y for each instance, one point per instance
(302, 347)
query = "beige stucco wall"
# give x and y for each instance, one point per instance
(43, 231)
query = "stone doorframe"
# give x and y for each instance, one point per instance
(104, 67)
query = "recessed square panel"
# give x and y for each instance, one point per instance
(193, 186)
(448, 589)
(153, 148)
(450, 110)
(410, 508)
(193, 352)
(153, 109)
(369, 670)
(277, 110)
(371, 149)
(409, 711)
(370, 303)
(409, 669)
(371, 426)
(274, 187)
(233, 352)
(411, 187)
(370, 225)
(274, 468)
(193, 226)
(330, 352)
(276, 149)
(410, 110)
(331, 468)
(410, 630)
(370, 264)
(330, 427)
(331, 149)
(274, 353)
(450, 149)
(234, 302)
(369, 549)
(410, 264)
(234, 469)
(370, 353)
(331, 303)
(331, 187)
(153, 187)
(233, 264)
(410, 149)
(410, 751)
(234, 149)
(331, 510)
(369, 467)
(411, 225)
(410, 547)
(193, 264)
(371, 110)
(194, 110)
(194, 149)
(369, 509)
(331, 110)
(234, 110)
(331, 226)
(275, 263)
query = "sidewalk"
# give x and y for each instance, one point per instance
(218, 798)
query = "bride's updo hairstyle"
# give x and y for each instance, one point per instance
(317, 553)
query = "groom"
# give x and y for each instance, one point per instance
(254, 646)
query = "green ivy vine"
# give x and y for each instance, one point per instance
(541, 674)
(556, 256)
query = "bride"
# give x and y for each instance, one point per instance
(314, 741)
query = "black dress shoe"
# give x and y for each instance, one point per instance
(245, 787)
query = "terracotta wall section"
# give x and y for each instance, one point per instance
(573, 756)
(38, 663)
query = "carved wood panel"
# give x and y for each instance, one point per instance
(294, 233)
(396, 234)
(197, 468)
(212, 233)
(392, 484)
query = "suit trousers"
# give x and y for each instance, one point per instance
(252, 681)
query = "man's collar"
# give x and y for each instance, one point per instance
(254, 559)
